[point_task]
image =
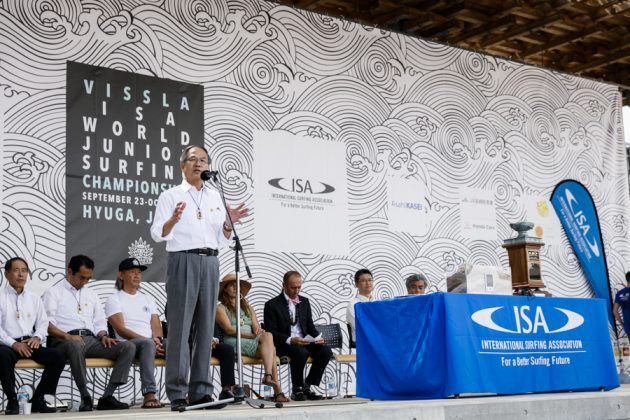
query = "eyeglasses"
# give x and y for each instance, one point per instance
(195, 159)
(366, 281)
(20, 270)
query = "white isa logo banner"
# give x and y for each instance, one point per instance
(301, 196)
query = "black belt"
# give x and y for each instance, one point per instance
(23, 338)
(208, 252)
(81, 332)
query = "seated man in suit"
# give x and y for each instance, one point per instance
(289, 319)
(23, 326)
(416, 284)
(78, 328)
(364, 284)
(134, 317)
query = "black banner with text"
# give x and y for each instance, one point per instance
(124, 136)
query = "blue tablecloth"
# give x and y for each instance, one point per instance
(434, 346)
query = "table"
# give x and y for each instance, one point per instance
(443, 344)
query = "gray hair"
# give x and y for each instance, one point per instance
(184, 154)
(416, 277)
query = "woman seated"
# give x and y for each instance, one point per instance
(255, 342)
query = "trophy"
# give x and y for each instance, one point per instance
(524, 255)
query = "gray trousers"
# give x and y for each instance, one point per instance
(145, 353)
(76, 352)
(192, 290)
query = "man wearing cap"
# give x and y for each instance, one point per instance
(192, 220)
(23, 325)
(78, 328)
(134, 317)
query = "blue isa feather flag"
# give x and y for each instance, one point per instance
(576, 210)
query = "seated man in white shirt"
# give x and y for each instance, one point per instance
(78, 328)
(364, 284)
(23, 325)
(134, 317)
(416, 284)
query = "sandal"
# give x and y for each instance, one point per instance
(152, 403)
(280, 397)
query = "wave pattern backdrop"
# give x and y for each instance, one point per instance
(404, 108)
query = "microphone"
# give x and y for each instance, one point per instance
(207, 175)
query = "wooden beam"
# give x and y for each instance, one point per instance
(562, 40)
(491, 26)
(533, 38)
(615, 57)
(520, 30)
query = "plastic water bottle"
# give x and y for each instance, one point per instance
(331, 387)
(22, 396)
(268, 392)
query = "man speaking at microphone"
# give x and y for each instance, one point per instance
(192, 220)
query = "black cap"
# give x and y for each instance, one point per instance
(129, 263)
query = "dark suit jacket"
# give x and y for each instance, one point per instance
(278, 322)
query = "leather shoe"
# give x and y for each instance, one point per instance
(225, 394)
(310, 395)
(86, 404)
(111, 403)
(39, 406)
(207, 399)
(12, 406)
(179, 405)
(298, 395)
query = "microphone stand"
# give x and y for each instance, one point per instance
(239, 391)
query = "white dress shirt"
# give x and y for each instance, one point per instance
(296, 330)
(350, 312)
(62, 302)
(32, 318)
(136, 310)
(191, 232)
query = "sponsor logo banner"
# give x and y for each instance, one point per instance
(539, 211)
(301, 194)
(124, 135)
(477, 214)
(408, 206)
(577, 213)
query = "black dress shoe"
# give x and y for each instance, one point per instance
(225, 394)
(207, 399)
(39, 406)
(310, 395)
(12, 406)
(179, 405)
(298, 395)
(111, 403)
(86, 404)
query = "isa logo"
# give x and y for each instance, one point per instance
(527, 320)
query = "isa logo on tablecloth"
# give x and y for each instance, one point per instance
(527, 320)
(530, 344)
